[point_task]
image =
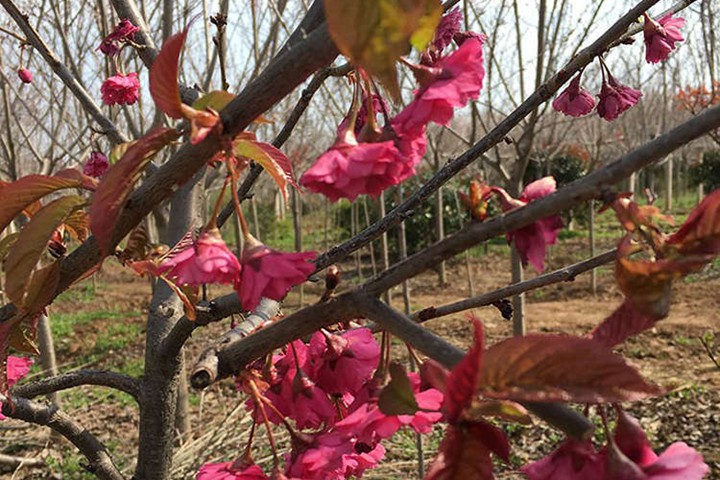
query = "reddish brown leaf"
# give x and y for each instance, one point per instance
(433, 375)
(462, 455)
(216, 100)
(700, 234)
(187, 296)
(624, 322)
(117, 183)
(164, 86)
(505, 409)
(275, 162)
(15, 196)
(5, 243)
(559, 368)
(78, 225)
(41, 288)
(462, 382)
(27, 251)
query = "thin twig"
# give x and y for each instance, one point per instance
(565, 274)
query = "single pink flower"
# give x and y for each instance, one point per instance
(123, 32)
(615, 98)
(631, 455)
(351, 168)
(230, 471)
(411, 144)
(574, 101)
(447, 28)
(270, 273)
(345, 362)
(571, 461)
(96, 165)
(208, 260)
(121, 89)
(457, 79)
(15, 369)
(661, 36)
(25, 75)
(532, 240)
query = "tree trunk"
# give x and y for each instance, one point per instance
(159, 385)
(47, 354)
(182, 415)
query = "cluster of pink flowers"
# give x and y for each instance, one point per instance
(261, 271)
(120, 89)
(368, 161)
(327, 387)
(614, 97)
(627, 455)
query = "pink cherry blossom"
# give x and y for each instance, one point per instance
(615, 98)
(207, 260)
(123, 32)
(457, 80)
(574, 101)
(230, 471)
(25, 75)
(121, 89)
(532, 240)
(96, 165)
(571, 461)
(270, 273)
(661, 36)
(337, 454)
(352, 168)
(349, 366)
(631, 452)
(447, 28)
(15, 369)
(412, 145)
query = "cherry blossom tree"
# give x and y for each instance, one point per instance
(325, 373)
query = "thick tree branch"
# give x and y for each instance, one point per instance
(277, 81)
(562, 417)
(64, 381)
(64, 73)
(565, 274)
(542, 94)
(591, 186)
(99, 460)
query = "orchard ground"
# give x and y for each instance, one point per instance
(100, 324)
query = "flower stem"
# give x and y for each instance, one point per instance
(213, 219)
(260, 403)
(236, 199)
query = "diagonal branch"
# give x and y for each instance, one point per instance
(565, 274)
(100, 462)
(101, 378)
(542, 94)
(562, 417)
(64, 73)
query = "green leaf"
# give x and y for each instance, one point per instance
(216, 100)
(374, 34)
(15, 196)
(164, 86)
(275, 162)
(27, 251)
(397, 397)
(117, 183)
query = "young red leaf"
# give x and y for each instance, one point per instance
(187, 295)
(275, 162)
(15, 196)
(41, 288)
(397, 397)
(505, 409)
(27, 251)
(700, 234)
(462, 455)
(5, 243)
(462, 382)
(433, 375)
(624, 322)
(118, 181)
(78, 225)
(164, 86)
(216, 100)
(559, 368)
